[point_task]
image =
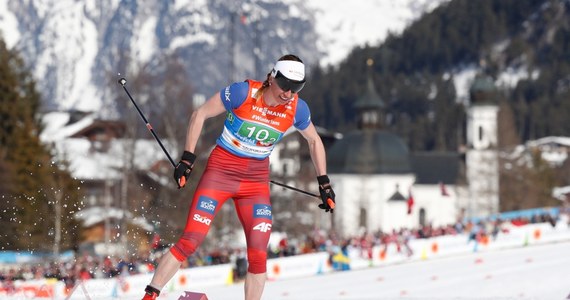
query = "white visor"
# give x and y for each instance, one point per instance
(293, 70)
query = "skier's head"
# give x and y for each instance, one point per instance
(289, 73)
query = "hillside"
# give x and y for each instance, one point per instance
(75, 49)
(523, 45)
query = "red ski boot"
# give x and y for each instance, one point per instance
(150, 293)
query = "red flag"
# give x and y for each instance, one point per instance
(155, 241)
(443, 189)
(410, 201)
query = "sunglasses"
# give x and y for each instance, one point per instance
(287, 84)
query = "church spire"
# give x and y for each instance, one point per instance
(369, 106)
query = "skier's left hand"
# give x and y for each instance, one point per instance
(327, 194)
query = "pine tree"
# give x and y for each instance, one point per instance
(32, 180)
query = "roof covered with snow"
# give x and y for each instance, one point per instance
(96, 160)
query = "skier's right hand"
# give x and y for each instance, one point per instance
(184, 168)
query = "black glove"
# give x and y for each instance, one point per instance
(327, 194)
(184, 168)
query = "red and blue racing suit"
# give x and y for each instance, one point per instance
(238, 168)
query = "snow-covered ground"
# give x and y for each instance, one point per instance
(534, 272)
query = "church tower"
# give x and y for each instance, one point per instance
(369, 106)
(366, 168)
(482, 154)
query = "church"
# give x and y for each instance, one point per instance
(381, 185)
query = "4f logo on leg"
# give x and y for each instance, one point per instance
(263, 227)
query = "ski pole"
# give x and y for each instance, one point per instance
(122, 82)
(329, 201)
(295, 189)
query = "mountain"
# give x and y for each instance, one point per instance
(423, 74)
(77, 49)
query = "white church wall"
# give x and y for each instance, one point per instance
(483, 182)
(347, 189)
(370, 192)
(462, 201)
(394, 215)
(440, 210)
(275, 167)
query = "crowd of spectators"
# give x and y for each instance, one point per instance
(86, 267)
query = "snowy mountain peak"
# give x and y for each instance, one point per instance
(76, 48)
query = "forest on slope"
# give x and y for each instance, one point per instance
(413, 73)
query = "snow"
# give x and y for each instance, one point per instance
(8, 20)
(85, 166)
(94, 160)
(145, 40)
(512, 273)
(77, 49)
(56, 126)
(181, 4)
(84, 64)
(462, 80)
(201, 37)
(534, 272)
(94, 215)
(553, 149)
(43, 7)
(560, 140)
(561, 193)
(86, 162)
(342, 25)
(510, 77)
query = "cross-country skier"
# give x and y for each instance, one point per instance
(258, 114)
